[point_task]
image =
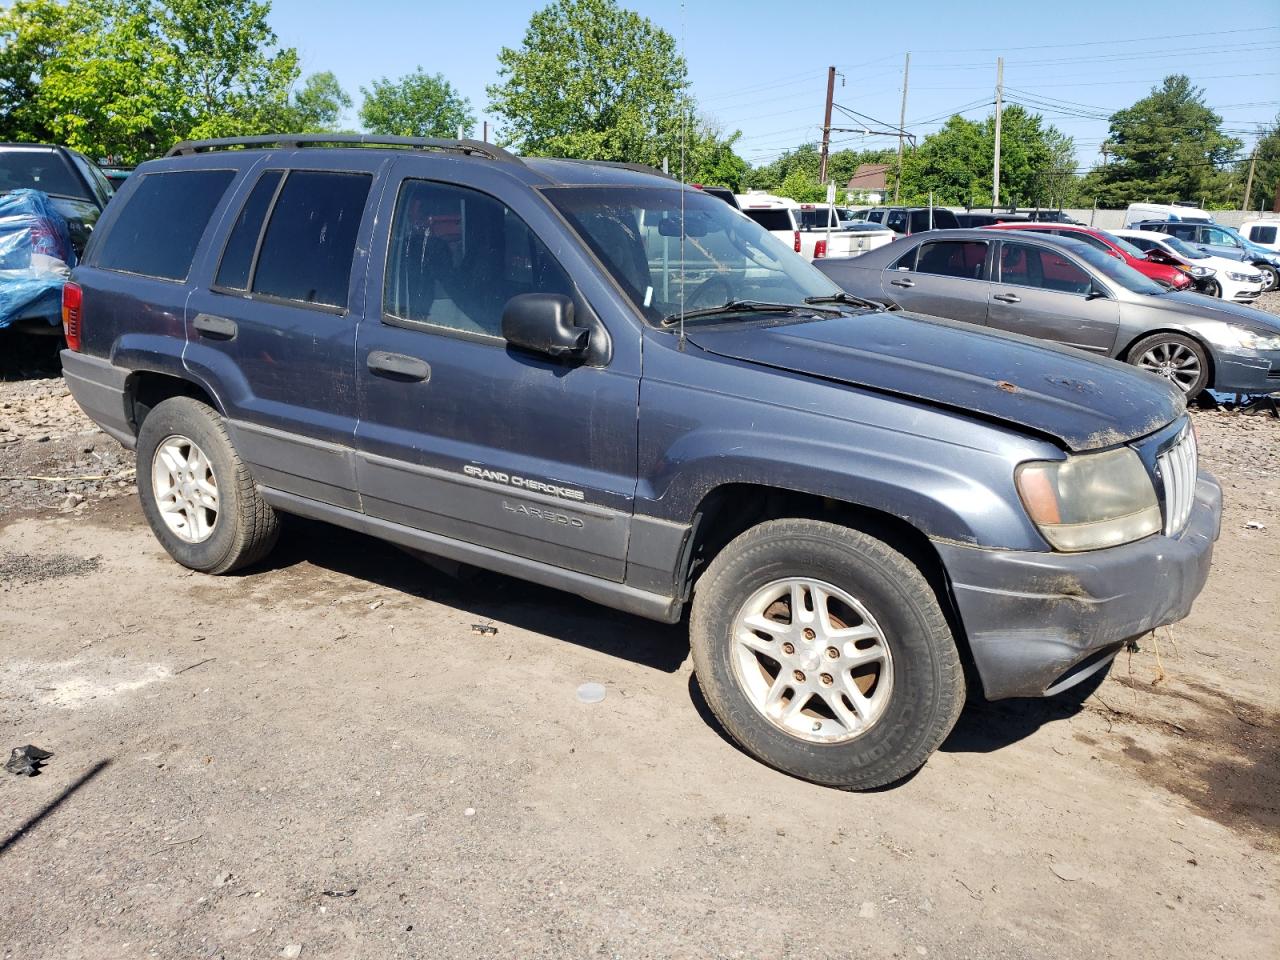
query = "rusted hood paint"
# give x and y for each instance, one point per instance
(1085, 403)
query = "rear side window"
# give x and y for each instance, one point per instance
(157, 232)
(953, 258)
(771, 219)
(1183, 231)
(1262, 234)
(237, 257)
(310, 239)
(39, 170)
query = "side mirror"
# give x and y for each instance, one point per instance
(543, 323)
(1095, 293)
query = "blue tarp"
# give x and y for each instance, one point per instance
(36, 257)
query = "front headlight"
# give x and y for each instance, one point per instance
(1201, 272)
(1238, 277)
(1251, 339)
(1090, 501)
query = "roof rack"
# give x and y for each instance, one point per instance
(292, 140)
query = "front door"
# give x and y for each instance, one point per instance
(943, 278)
(1041, 292)
(273, 331)
(464, 437)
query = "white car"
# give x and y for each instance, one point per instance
(808, 228)
(1216, 276)
(1265, 232)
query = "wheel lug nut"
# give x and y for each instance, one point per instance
(788, 648)
(808, 634)
(833, 653)
(799, 675)
(826, 679)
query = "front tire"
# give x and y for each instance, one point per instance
(196, 492)
(1270, 276)
(1213, 289)
(1179, 359)
(824, 653)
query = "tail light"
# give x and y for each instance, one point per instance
(797, 233)
(819, 249)
(72, 299)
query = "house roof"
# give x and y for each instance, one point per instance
(869, 176)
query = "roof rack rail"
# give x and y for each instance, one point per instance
(469, 147)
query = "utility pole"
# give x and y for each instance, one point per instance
(486, 131)
(1248, 186)
(902, 119)
(995, 170)
(826, 123)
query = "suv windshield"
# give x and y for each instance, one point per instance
(40, 170)
(723, 257)
(1117, 271)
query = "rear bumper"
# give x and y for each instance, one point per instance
(1038, 623)
(99, 388)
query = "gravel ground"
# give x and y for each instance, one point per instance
(323, 757)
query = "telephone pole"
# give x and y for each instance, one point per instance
(1248, 186)
(902, 119)
(826, 123)
(995, 170)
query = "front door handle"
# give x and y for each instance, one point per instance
(216, 328)
(902, 283)
(1007, 298)
(398, 366)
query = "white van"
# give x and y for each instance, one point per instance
(1137, 212)
(1264, 232)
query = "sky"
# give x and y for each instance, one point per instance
(761, 67)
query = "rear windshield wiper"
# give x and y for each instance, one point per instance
(843, 297)
(747, 306)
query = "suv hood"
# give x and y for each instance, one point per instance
(1082, 402)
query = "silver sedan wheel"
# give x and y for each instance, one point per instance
(812, 660)
(1173, 361)
(185, 489)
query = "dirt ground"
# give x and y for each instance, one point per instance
(324, 756)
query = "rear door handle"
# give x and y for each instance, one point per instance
(1007, 298)
(902, 283)
(217, 328)
(398, 366)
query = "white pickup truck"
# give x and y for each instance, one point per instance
(814, 230)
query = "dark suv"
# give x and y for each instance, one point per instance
(909, 220)
(79, 189)
(589, 377)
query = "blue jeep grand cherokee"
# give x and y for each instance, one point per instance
(584, 375)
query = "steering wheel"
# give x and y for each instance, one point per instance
(701, 294)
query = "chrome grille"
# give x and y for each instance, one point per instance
(1178, 468)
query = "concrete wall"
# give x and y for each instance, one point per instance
(1114, 219)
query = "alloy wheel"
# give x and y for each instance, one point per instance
(1173, 361)
(185, 489)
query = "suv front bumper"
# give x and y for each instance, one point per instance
(1039, 623)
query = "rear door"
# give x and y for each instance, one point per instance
(1041, 292)
(460, 435)
(272, 326)
(944, 278)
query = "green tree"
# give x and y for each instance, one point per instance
(592, 81)
(1168, 146)
(317, 106)
(417, 105)
(710, 158)
(126, 78)
(1266, 173)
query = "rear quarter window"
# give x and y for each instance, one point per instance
(159, 229)
(771, 219)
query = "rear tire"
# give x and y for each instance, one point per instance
(899, 654)
(1179, 359)
(196, 492)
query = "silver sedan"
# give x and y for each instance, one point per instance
(1056, 288)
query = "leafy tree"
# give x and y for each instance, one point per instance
(317, 106)
(126, 78)
(417, 105)
(709, 157)
(1168, 146)
(1266, 174)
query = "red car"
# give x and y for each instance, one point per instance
(1161, 273)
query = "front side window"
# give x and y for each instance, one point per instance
(157, 232)
(953, 258)
(667, 266)
(1221, 238)
(1026, 266)
(457, 256)
(310, 240)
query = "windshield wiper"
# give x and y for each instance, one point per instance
(843, 297)
(747, 306)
